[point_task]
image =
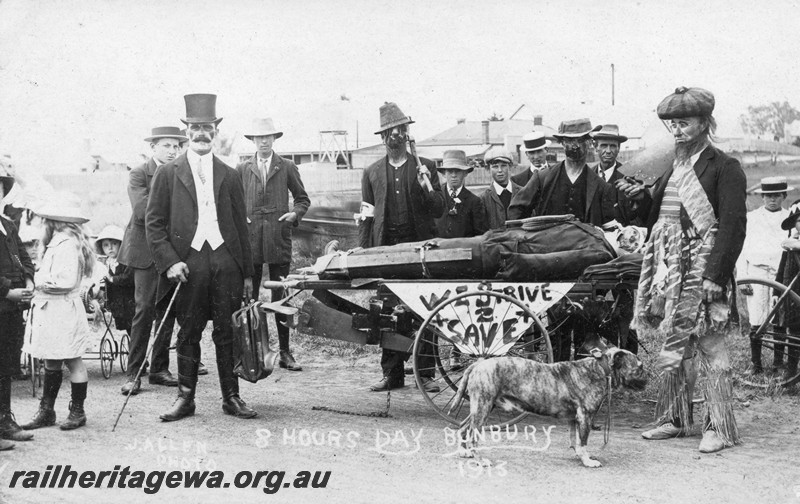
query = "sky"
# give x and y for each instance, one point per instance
(97, 75)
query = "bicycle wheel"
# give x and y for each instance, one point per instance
(106, 356)
(469, 326)
(763, 359)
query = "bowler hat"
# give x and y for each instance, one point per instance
(534, 141)
(166, 132)
(62, 207)
(576, 128)
(455, 160)
(686, 102)
(392, 116)
(794, 213)
(110, 232)
(263, 127)
(773, 185)
(498, 153)
(609, 131)
(201, 108)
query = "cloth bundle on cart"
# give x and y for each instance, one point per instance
(553, 249)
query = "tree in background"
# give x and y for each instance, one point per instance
(768, 119)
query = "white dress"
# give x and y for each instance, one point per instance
(59, 328)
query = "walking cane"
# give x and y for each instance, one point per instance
(150, 345)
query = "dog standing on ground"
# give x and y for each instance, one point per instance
(574, 390)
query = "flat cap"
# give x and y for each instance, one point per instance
(686, 102)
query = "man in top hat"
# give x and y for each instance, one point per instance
(607, 141)
(465, 216)
(497, 196)
(400, 201)
(196, 225)
(268, 179)
(761, 255)
(135, 253)
(534, 145)
(697, 219)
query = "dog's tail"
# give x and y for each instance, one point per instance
(462, 386)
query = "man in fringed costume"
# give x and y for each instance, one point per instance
(697, 221)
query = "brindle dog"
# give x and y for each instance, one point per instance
(575, 390)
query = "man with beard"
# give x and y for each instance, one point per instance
(135, 253)
(398, 206)
(570, 187)
(607, 143)
(697, 220)
(534, 145)
(197, 229)
(497, 196)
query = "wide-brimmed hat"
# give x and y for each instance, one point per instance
(773, 185)
(392, 116)
(534, 141)
(455, 160)
(166, 132)
(610, 131)
(201, 108)
(686, 102)
(63, 208)
(263, 127)
(110, 232)
(794, 213)
(498, 153)
(575, 128)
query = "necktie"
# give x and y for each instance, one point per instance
(505, 198)
(453, 193)
(264, 170)
(453, 210)
(200, 171)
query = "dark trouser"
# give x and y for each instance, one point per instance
(12, 333)
(276, 271)
(620, 334)
(145, 283)
(573, 331)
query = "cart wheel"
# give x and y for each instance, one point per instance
(124, 350)
(106, 356)
(487, 322)
(770, 344)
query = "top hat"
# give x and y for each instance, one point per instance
(498, 153)
(110, 232)
(609, 131)
(62, 207)
(263, 127)
(392, 116)
(166, 132)
(686, 102)
(534, 141)
(455, 160)
(201, 108)
(576, 128)
(773, 185)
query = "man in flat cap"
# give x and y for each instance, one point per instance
(135, 253)
(196, 225)
(497, 196)
(697, 219)
(268, 179)
(400, 201)
(534, 145)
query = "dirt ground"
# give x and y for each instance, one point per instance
(407, 457)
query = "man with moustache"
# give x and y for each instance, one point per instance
(497, 196)
(268, 179)
(534, 145)
(607, 142)
(135, 253)
(697, 219)
(398, 206)
(196, 225)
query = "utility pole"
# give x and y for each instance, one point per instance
(612, 84)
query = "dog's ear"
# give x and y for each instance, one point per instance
(617, 357)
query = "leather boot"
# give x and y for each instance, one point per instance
(232, 404)
(755, 356)
(188, 361)
(8, 424)
(77, 417)
(46, 415)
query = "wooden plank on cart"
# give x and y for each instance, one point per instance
(399, 258)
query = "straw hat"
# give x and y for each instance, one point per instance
(63, 208)
(534, 141)
(263, 127)
(166, 132)
(773, 185)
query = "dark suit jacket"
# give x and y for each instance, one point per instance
(425, 205)
(470, 218)
(134, 251)
(625, 210)
(534, 198)
(171, 218)
(523, 177)
(725, 184)
(270, 240)
(496, 213)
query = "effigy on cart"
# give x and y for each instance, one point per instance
(448, 302)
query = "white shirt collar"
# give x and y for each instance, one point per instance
(499, 189)
(193, 158)
(696, 156)
(458, 190)
(268, 159)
